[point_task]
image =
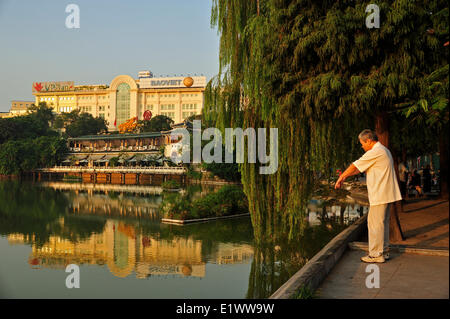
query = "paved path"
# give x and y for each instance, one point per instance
(404, 276)
(425, 224)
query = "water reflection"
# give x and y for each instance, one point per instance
(117, 227)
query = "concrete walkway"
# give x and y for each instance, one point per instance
(425, 224)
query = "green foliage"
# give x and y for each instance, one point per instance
(42, 113)
(114, 161)
(27, 142)
(228, 200)
(304, 292)
(170, 184)
(156, 124)
(193, 174)
(79, 124)
(226, 171)
(24, 127)
(18, 156)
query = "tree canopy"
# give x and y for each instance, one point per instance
(28, 142)
(156, 124)
(78, 123)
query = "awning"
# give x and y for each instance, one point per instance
(150, 158)
(105, 159)
(100, 160)
(81, 159)
(95, 158)
(130, 159)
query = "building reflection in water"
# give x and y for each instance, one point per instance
(122, 246)
(346, 212)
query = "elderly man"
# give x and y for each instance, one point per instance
(382, 189)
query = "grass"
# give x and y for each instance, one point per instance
(304, 292)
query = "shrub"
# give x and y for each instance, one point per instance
(171, 184)
(229, 200)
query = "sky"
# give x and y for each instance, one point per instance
(167, 37)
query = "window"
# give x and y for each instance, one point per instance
(169, 114)
(167, 106)
(189, 106)
(123, 103)
(187, 114)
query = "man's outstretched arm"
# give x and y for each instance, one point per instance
(351, 170)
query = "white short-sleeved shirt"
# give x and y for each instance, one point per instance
(382, 186)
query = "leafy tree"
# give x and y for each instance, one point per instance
(19, 156)
(42, 112)
(78, 124)
(22, 127)
(318, 74)
(156, 124)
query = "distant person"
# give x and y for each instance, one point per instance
(382, 189)
(403, 178)
(415, 183)
(426, 174)
(435, 179)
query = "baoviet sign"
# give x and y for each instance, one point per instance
(172, 82)
(52, 86)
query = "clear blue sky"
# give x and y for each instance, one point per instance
(168, 37)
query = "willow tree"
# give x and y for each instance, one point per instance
(314, 70)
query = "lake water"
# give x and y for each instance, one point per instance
(114, 234)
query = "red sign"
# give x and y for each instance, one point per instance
(147, 115)
(52, 86)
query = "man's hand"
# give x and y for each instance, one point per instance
(351, 170)
(339, 182)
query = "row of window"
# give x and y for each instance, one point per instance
(169, 114)
(187, 114)
(187, 106)
(102, 97)
(66, 109)
(191, 106)
(167, 106)
(70, 98)
(86, 108)
(169, 95)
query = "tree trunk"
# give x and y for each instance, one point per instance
(443, 162)
(382, 130)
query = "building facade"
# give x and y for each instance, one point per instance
(126, 97)
(18, 107)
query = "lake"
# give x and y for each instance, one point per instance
(115, 236)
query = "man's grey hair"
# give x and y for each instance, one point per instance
(368, 135)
